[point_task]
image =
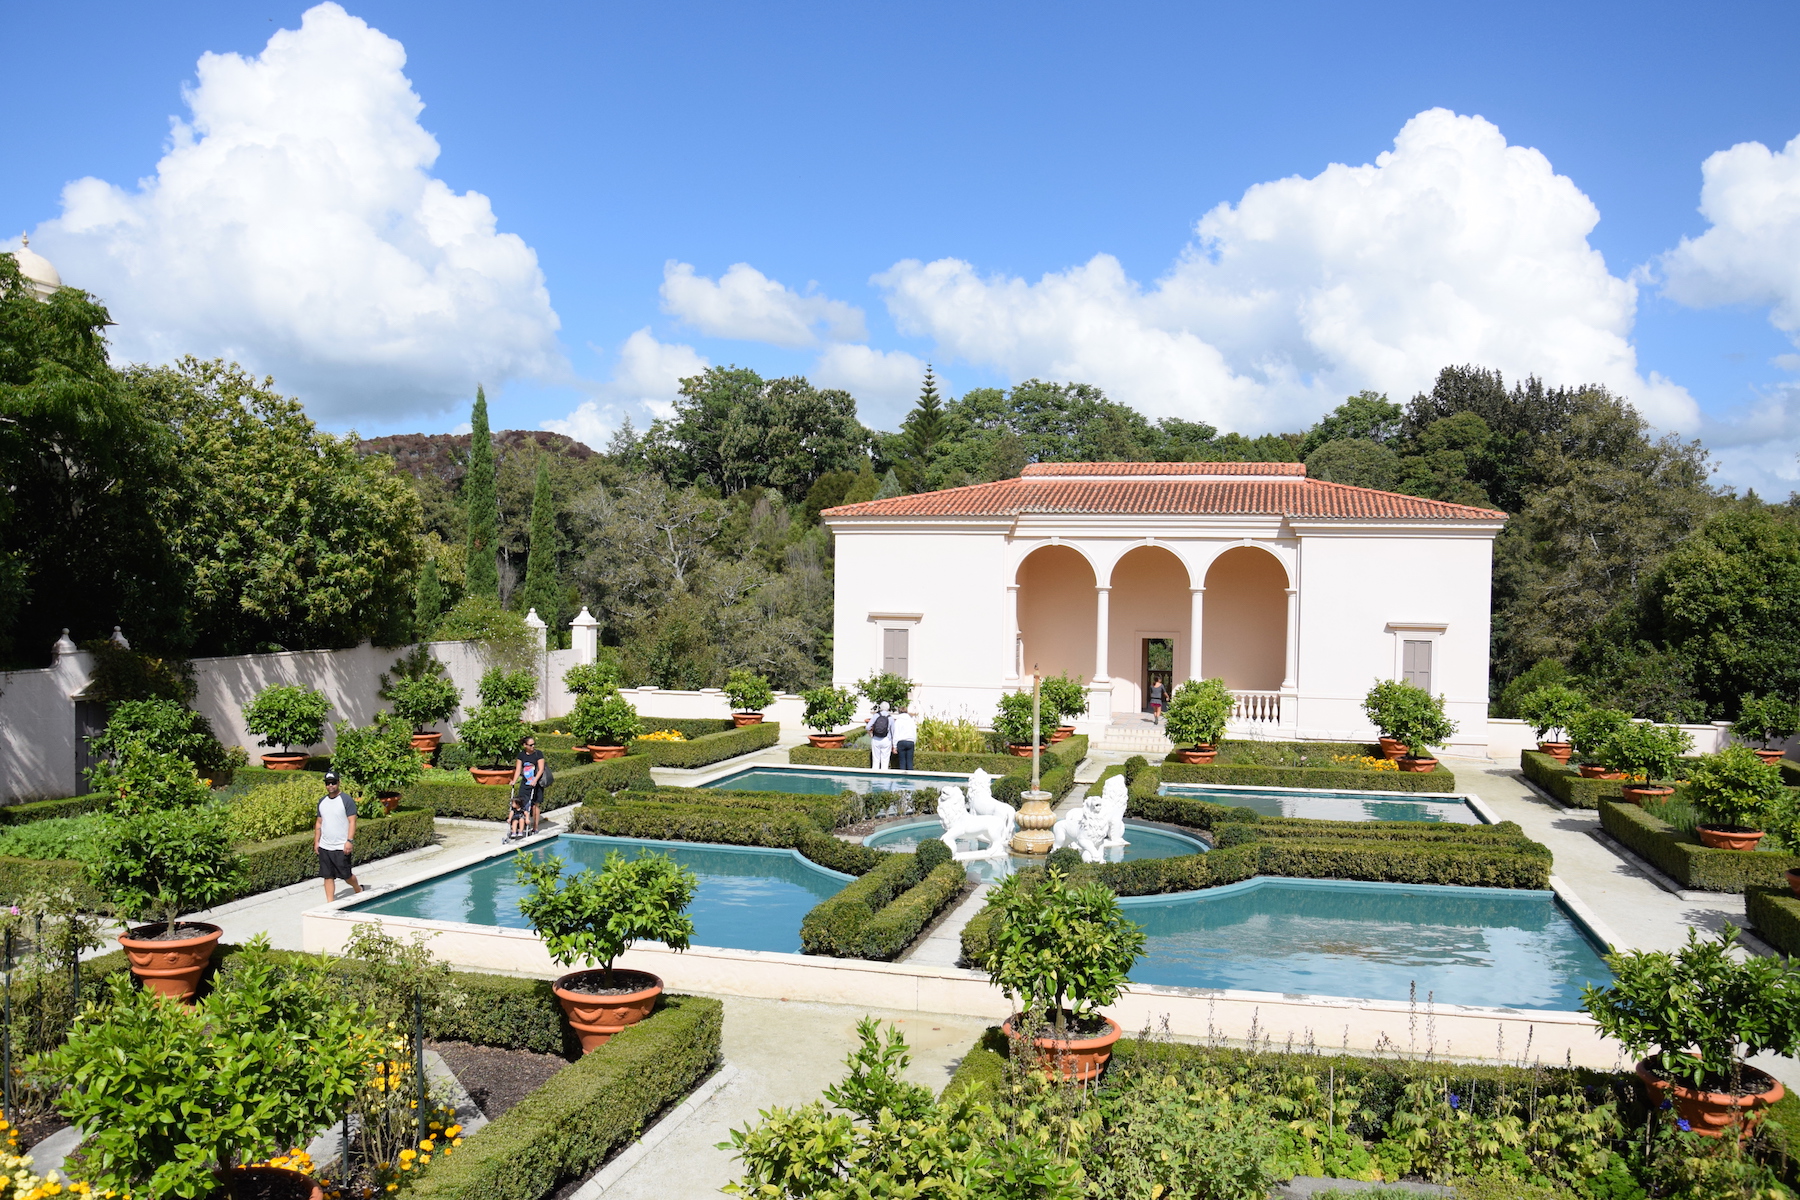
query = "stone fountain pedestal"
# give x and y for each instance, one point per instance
(1036, 818)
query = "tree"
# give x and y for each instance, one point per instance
(1359, 462)
(543, 583)
(1366, 416)
(482, 542)
(924, 427)
(732, 430)
(429, 604)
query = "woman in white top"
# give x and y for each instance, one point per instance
(881, 736)
(906, 737)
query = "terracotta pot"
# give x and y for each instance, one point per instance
(596, 1018)
(1080, 1059)
(1596, 771)
(1771, 756)
(427, 742)
(743, 719)
(492, 776)
(826, 741)
(1793, 878)
(1728, 837)
(389, 800)
(1392, 748)
(1062, 733)
(602, 753)
(1710, 1114)
(1019, 749)
(269, 1183)
(1199, 754)
(171, 968)
(285, 762)
(1639, 793)
(1418, 766)
(1560, 751)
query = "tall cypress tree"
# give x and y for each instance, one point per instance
(483, 506)
(541, 585)
(429, 605)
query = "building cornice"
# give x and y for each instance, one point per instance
(1306, 527)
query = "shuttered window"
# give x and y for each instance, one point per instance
(1415, 663)
(894, 652)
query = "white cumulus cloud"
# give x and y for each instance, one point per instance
(294, 224)
(1453, 247)
(648, 376)
(884, 382)
(744, 303)
(1750, 195)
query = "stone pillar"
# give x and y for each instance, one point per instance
(539, 630)
(1289, 678)
(540, 708)
(584, 637)
(1103, 623)
(1197, 603)
(1011, 664)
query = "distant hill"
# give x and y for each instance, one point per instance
(444, 454)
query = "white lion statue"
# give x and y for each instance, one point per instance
(961, 824)
(1113, 799)
(983, 804)
(1085, 829)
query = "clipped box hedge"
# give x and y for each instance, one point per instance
(879, 915)
(456, 794)
(1775, 915)
(43, 810)
(709, 748)
(782, 828)
(1070, 752)
(1565, 784)
(1679, 854)
(587, 1110)
(1336, 778)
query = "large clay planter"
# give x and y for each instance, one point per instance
(491, 776)
(1596, 771)
(1199, 754)
(284, 762)
(1793, 878)
(1080, 1059)
(1710, 1114)
(1418, 766)
(743, 719)
(389, 800)
(596, 1018)
(171, 968)
(1560, 751)
(826, 741)
(1727, 837)
(1392, 747)
(426, 743)
(269, 1183)
(602, 753)
(1640, 793)
(1019, 749)
(1062, 733)
(1771, 756)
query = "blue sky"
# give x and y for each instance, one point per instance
(999, 148)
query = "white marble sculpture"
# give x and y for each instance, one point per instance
(1113, 799)
(960, 824)
(983, 804)
(1085, 829)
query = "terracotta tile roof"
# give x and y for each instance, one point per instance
(1210, 491)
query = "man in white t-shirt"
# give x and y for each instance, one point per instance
(334, 835)
(906, 737)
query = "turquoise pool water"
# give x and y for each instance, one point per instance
(830, 783)
(1332, 806)
(749, 898)
(1146, 841)
(1487, 946)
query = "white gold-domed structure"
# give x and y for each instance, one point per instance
(40, 276)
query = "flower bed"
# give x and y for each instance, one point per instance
(707, 748)
(1681, 857)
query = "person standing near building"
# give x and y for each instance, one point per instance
(334, 835)
(531, 790)
(881, 736)
(1158, 697)
(906, 737)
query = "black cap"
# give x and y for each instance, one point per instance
(331, 777)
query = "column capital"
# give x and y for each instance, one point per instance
(1103, 587)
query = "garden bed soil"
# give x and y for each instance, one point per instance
(1079, 1028)
(183, 931)
(33, 1130)
(497, 1079)
(591, 983)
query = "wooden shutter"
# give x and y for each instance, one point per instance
(894, 652)
(1415, 663)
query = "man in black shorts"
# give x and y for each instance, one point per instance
(533, 792)
(334, 835)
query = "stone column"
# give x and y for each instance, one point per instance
(1196, 600)
(540, 708)
(1288, 679)
(1011, 664)
(1103, 622)
(584, 637)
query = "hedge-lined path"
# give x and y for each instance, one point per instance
(942, 947)
(785, 1053)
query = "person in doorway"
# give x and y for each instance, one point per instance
(906, 737)
(334, 837)
(531, 789)
(1158, 697)
(881, 736)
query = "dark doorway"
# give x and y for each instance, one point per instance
(90, 721)
(1159, 667)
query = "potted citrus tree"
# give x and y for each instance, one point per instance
(585, 678)
(1589, 731)
(593, 917)
(1766, 719)
(1062, 950)
(1415, 718)
(1736, 792)
(1195, 718)
(1645, 753)
(602, 723)
(1549, 710)
(1695, 1016)
(287, 715)
(377, 760)
(749, 694)
(885, 688)
(421, 703)
(828, 707)
(492, 733)
(1017, 725)
(1378, 706)
(1063, 697)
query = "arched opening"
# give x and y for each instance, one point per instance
(1244, 627)
(1150, 623)
(1057, 612)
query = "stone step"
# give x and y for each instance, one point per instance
(1139, 738)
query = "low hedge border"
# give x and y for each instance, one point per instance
(1070, 751)
(690, 727)
(584, 1112)
(1565, 784)
(780, 828)
(1775, 915)
(1681, 857)
(455, 794)
(709, 748)
(826, 811)
(1335, 778)
(43, 810)
(879, 915)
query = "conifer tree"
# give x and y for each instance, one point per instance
(541, 587)
(483, 506)
(890, 486)
(430, 603)
(924, 427)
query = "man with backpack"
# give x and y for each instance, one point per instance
(881, 736)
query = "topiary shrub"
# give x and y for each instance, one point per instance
(932, 854)
(287, 716)
(1136, 765)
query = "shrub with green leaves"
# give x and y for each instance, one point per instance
(1013, 719)
(492, 736)
(288, 715)
(887, 688)
(827, 707)
(748, 691)
(507, 689)
(1410, 715)
(600, 676)
(1549, 709)
(1196, 714)
(594, 917)
(1060, 949)
(1765, 719)
(274, 810)
(1063, 696)
(423, 702)
(376, 758)
(498, 632)
(164, 863)
(146, 780)
(163, 725)
(1645, 751)
(1735, 787)
(1591, 728)
(946, 736)
(603, 719)
(57, 837)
